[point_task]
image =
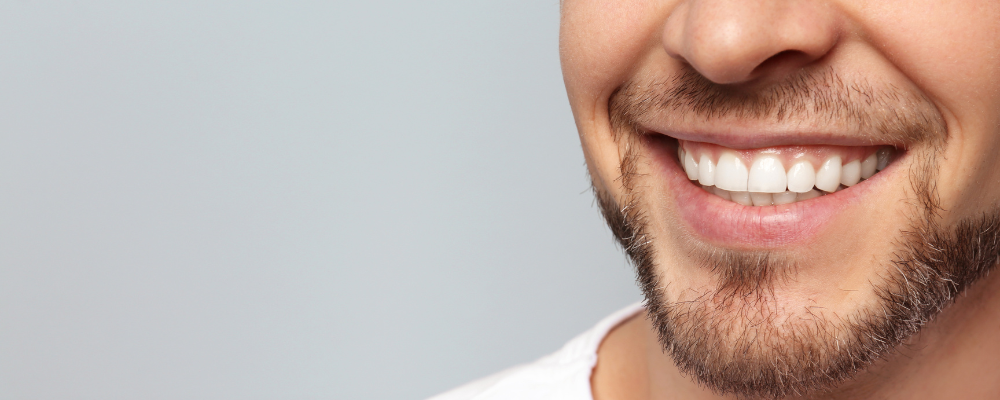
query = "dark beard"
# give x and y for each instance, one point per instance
(728, 339)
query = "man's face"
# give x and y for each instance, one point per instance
(802, 184)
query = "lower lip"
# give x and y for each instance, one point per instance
(729, 224)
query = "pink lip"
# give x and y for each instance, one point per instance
(729, 224)
(755, 137)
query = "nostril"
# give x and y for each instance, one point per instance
(781, 62)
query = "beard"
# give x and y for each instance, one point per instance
(734, 338)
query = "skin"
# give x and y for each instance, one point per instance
(945, 50)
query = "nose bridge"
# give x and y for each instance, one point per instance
(730, 41)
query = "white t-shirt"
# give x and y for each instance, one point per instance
(563, 375)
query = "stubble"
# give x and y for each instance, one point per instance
(729, 338)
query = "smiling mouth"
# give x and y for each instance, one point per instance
(781, 174)
(767, 168)
(770, 197)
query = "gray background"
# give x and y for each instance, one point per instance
(282, 200)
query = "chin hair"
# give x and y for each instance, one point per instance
(736, 340)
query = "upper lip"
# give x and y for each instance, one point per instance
(756, 136)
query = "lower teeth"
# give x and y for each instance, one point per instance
(766, 199)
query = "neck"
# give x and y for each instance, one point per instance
(954, 356)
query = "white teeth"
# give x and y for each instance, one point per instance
(883, 158)
(850, 174)
(868, 166)
(784, 198)
(722, 193)
(828, 176)
(766, 183)
(690, 166)
(730, 173)
(767, 175)
(741, 198)
(812, 194)
(801, 177)
(761, 199)
(706, 171)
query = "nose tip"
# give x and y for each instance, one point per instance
(736, 41)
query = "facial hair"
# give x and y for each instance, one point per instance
(728, 339)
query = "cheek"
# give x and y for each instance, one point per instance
(602, 163)
(969, 180)
(948, 48)
(950, 51)
(601, 42)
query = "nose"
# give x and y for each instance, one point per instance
(737, 41)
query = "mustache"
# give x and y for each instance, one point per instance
(880, 112)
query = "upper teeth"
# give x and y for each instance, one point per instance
(767, 181)
(767, 175)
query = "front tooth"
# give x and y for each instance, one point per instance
(730, 173)
(868, 166)
(690, 166)
(721, 193)
(767, 175)
(812, 194)
(706, 171)
(741, 198)
(828, 176)
(761, 199)
(883, 158)
(850, 173)
(801, 177)
(784, 198)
